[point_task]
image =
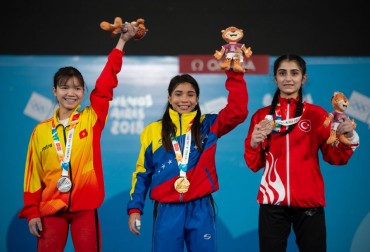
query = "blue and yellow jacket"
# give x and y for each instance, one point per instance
(157, 169)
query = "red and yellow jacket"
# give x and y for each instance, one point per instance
(42, 169)
(157, 169)
(292, 175)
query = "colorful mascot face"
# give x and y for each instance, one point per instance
(232, 34)
(339, 101)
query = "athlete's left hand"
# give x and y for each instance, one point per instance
(345, 128)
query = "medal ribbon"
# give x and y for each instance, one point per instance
(183, 159)
(288, 122)
(64, 159)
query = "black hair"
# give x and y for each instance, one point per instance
(65, 73)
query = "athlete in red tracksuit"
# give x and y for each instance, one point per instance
(63, 182)
(292, 187)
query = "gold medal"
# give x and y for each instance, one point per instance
(182, 184)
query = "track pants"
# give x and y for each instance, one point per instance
(85, 232)
(275, 224)
(192, 223)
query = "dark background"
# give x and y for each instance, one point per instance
(67, 27)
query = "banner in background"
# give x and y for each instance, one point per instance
(206, 64)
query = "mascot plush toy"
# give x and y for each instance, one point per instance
(118, 27)
(340, 103)
(233, 51)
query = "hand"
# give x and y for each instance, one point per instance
(133, 223)
(248, 52)
(345, 128)
(128, 32)
(327, 121)
(217, 55)
(258, 136)
(35, 226)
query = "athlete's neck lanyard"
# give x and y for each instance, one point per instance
(64, 159)
(286, 122)
(183, 159)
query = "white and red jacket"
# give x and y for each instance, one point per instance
(292, 175)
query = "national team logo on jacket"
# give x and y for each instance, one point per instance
(305, 125)
(83, 133)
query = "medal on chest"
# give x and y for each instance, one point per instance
(64, 184)
(182, 184)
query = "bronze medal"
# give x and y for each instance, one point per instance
(266, 125)
(64, 184)
(182, 185)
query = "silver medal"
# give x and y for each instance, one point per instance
(64, 184)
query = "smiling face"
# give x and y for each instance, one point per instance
(69, 96)
(183, 98)
(339, 101)
(289, 78)
(232, 34)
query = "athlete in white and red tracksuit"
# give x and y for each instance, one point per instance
(181, 148)
(292, 187)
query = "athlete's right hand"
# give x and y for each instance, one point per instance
(134, 223)
(258, 136)
(35, 226)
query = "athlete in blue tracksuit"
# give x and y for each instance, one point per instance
(177, 163)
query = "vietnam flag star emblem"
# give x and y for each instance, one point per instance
(83, 133)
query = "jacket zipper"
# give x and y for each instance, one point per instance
(288, 157)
